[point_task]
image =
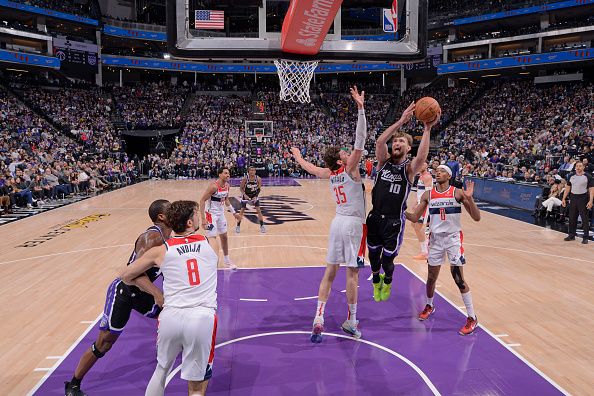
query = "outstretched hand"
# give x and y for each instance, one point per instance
(295, 151)
(408, 113)
(469, 189)
(359, 98)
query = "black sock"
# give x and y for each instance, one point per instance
(75, 381)
(238, 223)
(261, 222)
(387, 280)
(376, 278)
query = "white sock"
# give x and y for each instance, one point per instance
(424, 249)
(320, 311)
(227, 259)
(467, 297)
(430, 301)
(352, 317)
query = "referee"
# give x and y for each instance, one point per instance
(581, 186)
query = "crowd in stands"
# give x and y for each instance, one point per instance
(520, 131)
(153, 105)
(38, 163)
(509, 130)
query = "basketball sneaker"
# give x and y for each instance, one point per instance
(316, 333)
(230, 264)
(73, 390)
(469, 327)
(263, 229)
(426, 312)
(237, 229)
(420, 256)
(350, 329)
(386, 291)
(377, 289)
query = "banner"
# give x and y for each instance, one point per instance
(517, 61)
(522, 196)
(135, 34)
(29, 59)
(160, 64)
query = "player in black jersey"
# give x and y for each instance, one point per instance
(250, 187)
(385, 222)
(121, 299)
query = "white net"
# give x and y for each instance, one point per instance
(295, 78)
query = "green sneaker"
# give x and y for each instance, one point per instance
(377, 289)
(386, 291)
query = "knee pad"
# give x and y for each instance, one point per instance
(457, 275)
(98, 354)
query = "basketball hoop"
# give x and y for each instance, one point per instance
(295, 78)
(259, 137)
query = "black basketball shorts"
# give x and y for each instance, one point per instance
(121, 299)
(385, 233)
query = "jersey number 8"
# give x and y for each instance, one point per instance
(193, 273)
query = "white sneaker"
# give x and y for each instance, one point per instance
(263, 229)
(237, 229)
(29, 206)
(230, 264)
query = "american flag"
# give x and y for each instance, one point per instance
(209, 19)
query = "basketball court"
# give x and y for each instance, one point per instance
(531, 290)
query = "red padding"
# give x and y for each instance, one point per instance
(306, 24)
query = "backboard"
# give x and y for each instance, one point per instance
(250, 30)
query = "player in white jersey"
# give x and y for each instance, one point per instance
(188, 322)
(445, 209)
(346, 242)
(425, 183)
(212, 211)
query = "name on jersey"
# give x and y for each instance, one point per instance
(190, 248)
(337, 179)
(390, 177)
(441, 203)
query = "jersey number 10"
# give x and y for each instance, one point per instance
(193, 273)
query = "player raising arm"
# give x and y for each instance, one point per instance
(346, 242)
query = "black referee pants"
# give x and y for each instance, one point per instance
(577, 206)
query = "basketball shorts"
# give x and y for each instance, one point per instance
(219, 223)
(121, 299)
(346, 242)
(443, 244)
(385, 232)
(191, 331)
(255, 202)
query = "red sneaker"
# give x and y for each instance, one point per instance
(469, 327)
(426, 312)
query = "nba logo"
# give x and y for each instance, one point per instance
(388, 22)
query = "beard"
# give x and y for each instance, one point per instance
(398, 156)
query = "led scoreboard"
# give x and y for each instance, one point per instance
(259, 107)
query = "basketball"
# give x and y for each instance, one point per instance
(426, 109)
